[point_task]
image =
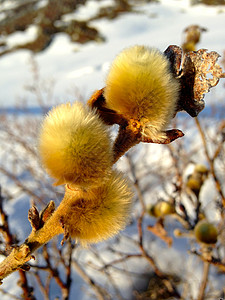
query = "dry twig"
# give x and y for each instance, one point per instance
(210, 161)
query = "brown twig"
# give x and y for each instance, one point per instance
(23, 283)
(69, 265)
(159, 230)
(210, 161)
(55, 274)
(120, 260)
(210, 259)
(20, 255)
(136, 181)
(66, 263)
(140, 219)
(110, 277)
(143, 251)
(99, 292)
(10, 240)
(125, 140)
(175, 155)
(150, 260)
(20, 184)
(203, 286)
(4, 228)
(44, 288)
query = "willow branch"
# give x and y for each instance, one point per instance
(20, 255)
(211, 260)
(204, 281)
(98, 290)
(10, 240)
(210, 161)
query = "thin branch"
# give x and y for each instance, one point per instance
(43, 288)
(55, 274)
(204, 281)
(69, 265)
(10, 295)
(10, 240)
(120, 260)
(110, 276)
(178, 173)
(20, 255)
(20, 184)
(100, 293)
(210, 161)
(212, 260)
(136, 181)
(23, 283)
(143, 251)
(140, 219)
(4, 228)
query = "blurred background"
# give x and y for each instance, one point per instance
(53, 52)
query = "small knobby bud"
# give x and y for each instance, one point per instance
(47, 212)
(196, 179)
(192, 37)
(161, 208)
(206, 232)
(33, 217)
(177, 232)
(66, 230)
(25, 267)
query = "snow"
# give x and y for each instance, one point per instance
(80, 69)
(84, 66)
(17, 38)
(87, 11)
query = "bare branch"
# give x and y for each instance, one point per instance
(210, 161)
(204, 281)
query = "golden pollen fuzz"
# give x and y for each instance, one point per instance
(98, 214)
(75, 145)
(141, 86)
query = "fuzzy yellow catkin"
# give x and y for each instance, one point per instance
(75, 145)
(141, 86)
(98, 214)
(90, 216)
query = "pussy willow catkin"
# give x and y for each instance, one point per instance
(91, 216)
(140, 86)
(99, 213)
(75, 146)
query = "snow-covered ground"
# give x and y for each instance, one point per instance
(75, 67)
(77, 70)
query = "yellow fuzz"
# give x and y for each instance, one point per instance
(141, 86)
(98, 214)
(75, 146)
